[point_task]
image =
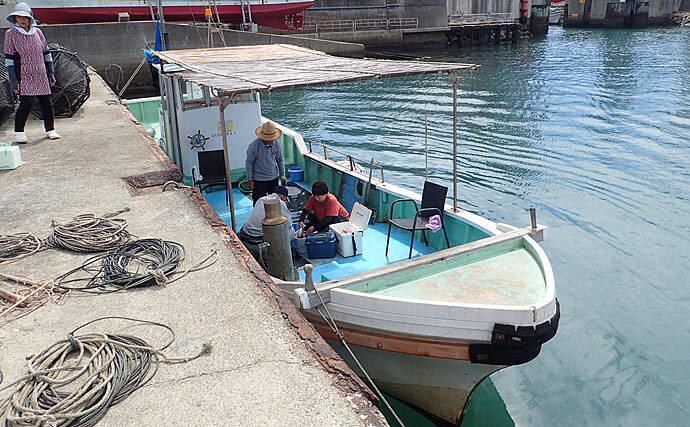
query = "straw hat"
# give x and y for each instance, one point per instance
(268, 132)
(21, 9)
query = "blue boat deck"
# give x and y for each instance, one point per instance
(374, 242)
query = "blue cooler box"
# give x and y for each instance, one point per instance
(321, 245)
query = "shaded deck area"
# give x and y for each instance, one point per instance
(374, 242)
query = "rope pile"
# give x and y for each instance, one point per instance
(17, 246)
(89, 233)
(138, 264)
(75, 381)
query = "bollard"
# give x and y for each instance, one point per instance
(276, 229)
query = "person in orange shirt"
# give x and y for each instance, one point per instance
(322, 209)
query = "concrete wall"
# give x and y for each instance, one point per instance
(117, 46)
(431, 13)
(684, 6)
(631, 13)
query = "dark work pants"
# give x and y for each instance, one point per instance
(311, 219)
(25, 103)
(262, 188)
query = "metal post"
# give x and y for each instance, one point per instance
(455, 140)
(325, 154)
(161, 19)
(221, 106)
(426, 146)
(371, 172)
(533, 216)
(244, 19)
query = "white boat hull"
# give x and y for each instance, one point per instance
(440, 387)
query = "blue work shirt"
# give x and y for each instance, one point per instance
(264, 162)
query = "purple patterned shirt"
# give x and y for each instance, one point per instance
(28, 49)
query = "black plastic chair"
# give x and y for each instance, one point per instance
(212, 171)
(433, 202)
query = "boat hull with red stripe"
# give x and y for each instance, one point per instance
(284, 15)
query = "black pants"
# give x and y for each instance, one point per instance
(262, 188)
(311, 219)
(25, 103)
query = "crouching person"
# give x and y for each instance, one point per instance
(251, 233)
(322, 209)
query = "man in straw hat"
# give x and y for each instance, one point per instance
(264, 163)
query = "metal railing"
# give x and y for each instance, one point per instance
(361, 24)
(479, 18)
(351, 159)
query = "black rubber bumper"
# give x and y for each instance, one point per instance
(514, 345)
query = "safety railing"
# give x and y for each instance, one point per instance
(361, 24)
(479, 18)
(353, 161)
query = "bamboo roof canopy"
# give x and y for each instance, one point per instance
(242, 69)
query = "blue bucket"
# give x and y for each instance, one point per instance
(296, 174)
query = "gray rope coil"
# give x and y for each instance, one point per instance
(17, 246)
(89, 233)
(75, 381)
(139, 263)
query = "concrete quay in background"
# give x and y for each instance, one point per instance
(268, 365)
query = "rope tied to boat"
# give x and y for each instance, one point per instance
(341, 336)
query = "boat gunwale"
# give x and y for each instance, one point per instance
(540, 311)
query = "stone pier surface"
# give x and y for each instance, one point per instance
(267, 367)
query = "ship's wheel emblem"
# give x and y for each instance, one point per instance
(198, 140)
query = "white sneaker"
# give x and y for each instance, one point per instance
(20, 137)
(51, 134)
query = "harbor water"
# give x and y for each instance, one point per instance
(592, 127)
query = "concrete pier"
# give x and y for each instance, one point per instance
(268, 366)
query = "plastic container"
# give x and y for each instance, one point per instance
(10, 157)
(321, 245)
(296, 174)
(349, 234)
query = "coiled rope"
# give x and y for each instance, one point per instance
(141, 263)
(18, 246)
(89, 233)
(75, 381)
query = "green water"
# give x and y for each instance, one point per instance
(593, 128)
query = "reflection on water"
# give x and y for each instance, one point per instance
(593, 128)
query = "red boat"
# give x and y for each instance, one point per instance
(282, 14)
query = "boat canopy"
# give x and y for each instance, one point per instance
(242, 69)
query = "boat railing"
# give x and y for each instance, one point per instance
(352, 160)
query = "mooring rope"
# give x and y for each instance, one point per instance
(76, 380)
(140, 263)
(89, 233)
(18, 246)
(334, 327)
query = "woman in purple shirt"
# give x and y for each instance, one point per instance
(30, 67)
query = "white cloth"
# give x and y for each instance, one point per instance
(253, 225)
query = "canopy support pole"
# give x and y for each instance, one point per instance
(224, 101)
(455, 141)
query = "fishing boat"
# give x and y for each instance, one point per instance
(282, 14)
(427, 316)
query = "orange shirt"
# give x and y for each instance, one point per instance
(330, 207)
